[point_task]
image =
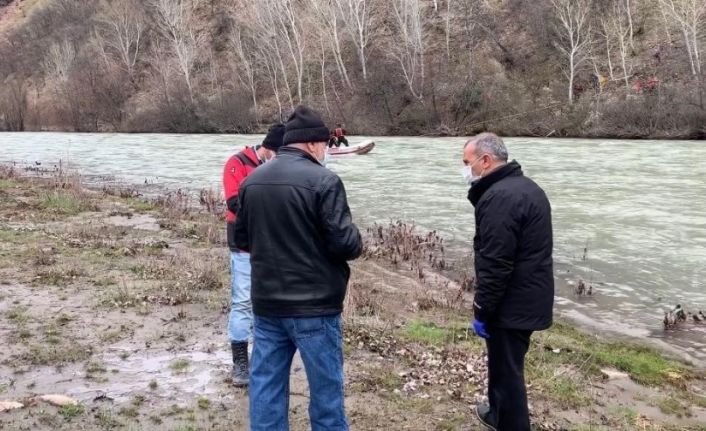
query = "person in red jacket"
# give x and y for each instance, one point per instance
(237, 168)
(338, 137)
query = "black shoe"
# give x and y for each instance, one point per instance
(240, 372)
(483, 413)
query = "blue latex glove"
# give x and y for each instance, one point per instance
(479, 329)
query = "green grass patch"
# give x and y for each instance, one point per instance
(452, 423)
(672, 406)
(138, 400)
(59, 276)
(63, 318)
(71, 411)
(47, 354)
(377, 378)
(644, 365)
(18, 315)
(95, 368)
(129, 412)
(107, 420)
(204, 403)
(121, 296)
(623, 414)
(180, 365)
(567, 393)
(104, 282)
(52, 335)
(697, 400)
(65, 203)
(140, 205)
(417, 405)
(24, 334)
(19, 237)
(430, 333)
(7, 184)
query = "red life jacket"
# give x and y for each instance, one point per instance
(237, 168)
(339, 132)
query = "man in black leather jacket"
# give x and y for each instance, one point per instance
(295, 221)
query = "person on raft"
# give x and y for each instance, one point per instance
(338, 137)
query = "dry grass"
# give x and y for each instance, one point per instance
(61, 275)
(174, 204)
(361, 301)
(212, 201)
(8, 172)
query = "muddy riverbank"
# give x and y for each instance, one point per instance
(120, 303)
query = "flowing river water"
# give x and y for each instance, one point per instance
(637, 207)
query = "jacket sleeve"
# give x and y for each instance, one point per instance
(233, 175)
(242, 238)
(343, 240)
(495, 259)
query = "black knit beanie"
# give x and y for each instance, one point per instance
(273, 140)
(305, 125)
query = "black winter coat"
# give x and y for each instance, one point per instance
(513, 251)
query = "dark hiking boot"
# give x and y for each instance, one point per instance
(240, 374)
(483, 413)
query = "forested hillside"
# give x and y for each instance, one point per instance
(623, 68)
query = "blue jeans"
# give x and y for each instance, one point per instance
(240, 319)
(320, 344)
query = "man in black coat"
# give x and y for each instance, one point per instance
(295, 221)
(514, 271)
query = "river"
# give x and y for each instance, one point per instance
(639, 207)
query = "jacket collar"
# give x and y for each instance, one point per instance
(296, 152)
(251, 153)
(512, 169)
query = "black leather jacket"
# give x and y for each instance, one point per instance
(295, 221)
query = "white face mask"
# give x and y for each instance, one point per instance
(324, 161)
(467, 173)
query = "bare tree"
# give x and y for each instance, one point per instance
(628, 13)
(607, 33)
(689, 15)
(665, 20)
(327, 18)
(121, 29)
(356, 16)
(448, 29)
(246, 65)
(59, 60)
(323, 76)
(574, 36)
(174, 18)
(271, 47)
(290, 28)
(161, 64)
(409, 49)
(13, 104)
(622, 32)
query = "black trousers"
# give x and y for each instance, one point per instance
(506, 378)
